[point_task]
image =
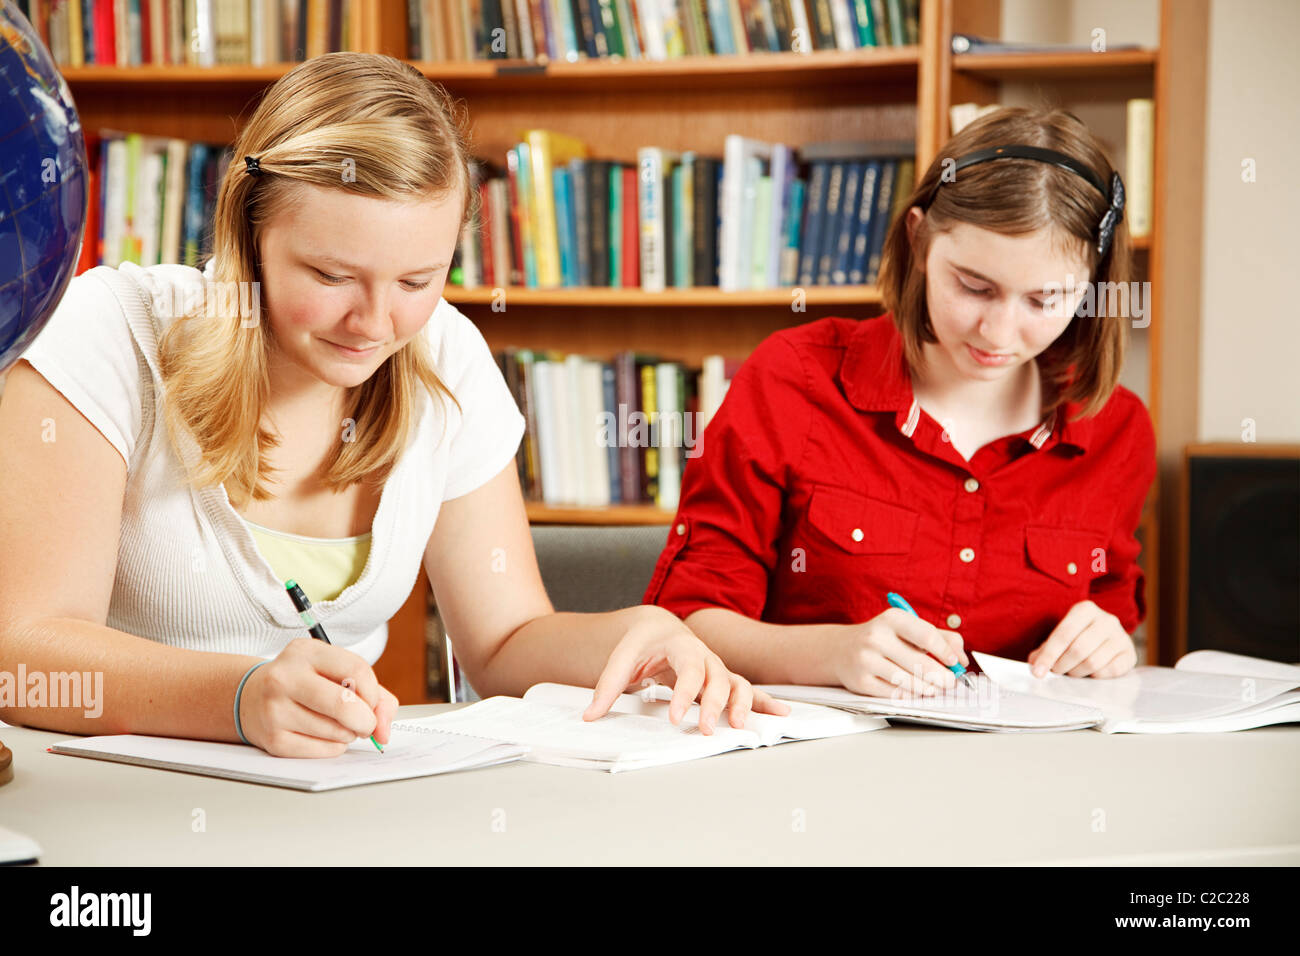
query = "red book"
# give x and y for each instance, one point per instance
(631, 232)
(105, 34)
(145, 32)
(516, 234)
(89, 257)
(485, 217)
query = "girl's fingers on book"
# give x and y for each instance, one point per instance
(616, 676)
(765, 703)
(740, 702)
(717, 689)
(690, 680)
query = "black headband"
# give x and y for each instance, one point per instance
(1114, 196)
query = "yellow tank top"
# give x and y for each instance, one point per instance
(324, 567)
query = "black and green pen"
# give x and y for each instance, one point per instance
(301, 602)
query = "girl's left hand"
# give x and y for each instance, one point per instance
(1089, 642)
(659, 646)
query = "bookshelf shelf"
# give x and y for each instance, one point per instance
(539, 513)
(669, 298)
(818, 69)
(1117, 64)
(824, 68)
(146, 77)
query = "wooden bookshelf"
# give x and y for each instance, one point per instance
(693, 103)
(539, 513)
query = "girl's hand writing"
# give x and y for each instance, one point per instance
(296, 705)
(891, 654)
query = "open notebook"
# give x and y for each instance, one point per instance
(407, 754)
(636, 732)
(1206, 692)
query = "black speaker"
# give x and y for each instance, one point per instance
(1243, 565)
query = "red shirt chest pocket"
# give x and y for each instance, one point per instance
(859, 524)
(1066, 555)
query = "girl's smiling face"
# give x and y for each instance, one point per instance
(990, 299)
(341, 271)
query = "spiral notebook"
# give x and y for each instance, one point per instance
(412, 751)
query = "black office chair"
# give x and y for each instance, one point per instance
(587, 569)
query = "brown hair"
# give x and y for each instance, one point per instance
(360, 122)
(1014, 197)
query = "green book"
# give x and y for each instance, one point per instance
(615, 226)
(866, 25)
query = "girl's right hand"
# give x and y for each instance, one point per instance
(296, 705)
(890, 655)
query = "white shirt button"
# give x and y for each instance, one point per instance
(681, 529)
(954, 620)
(972, 484)
(857, 534)
(1071, 567)
(967, 555)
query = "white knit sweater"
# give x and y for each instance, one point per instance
(188, 570)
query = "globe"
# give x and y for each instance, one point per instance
(43, 185)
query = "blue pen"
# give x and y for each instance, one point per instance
(896, 600)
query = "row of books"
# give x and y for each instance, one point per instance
(610, 432)
(190, 32)
(569, 30)
(679, 221)
(761, 216)
(152, 199)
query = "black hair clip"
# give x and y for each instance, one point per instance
(252, 166)
(1114, 215)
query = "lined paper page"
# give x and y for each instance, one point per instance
(1144, 693)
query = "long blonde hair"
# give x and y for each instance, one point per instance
(1014, 197)
(359, 122)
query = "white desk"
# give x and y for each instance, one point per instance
(900, 796)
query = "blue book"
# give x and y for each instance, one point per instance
(720, 27)
(578, 173)
(192, 237)
(862, 230)
(790, 240)
(812, 226)
(564, 226)
(880, 218)
(717, 232)
(848, 224)
(826, 242)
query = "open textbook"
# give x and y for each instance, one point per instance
(407, 754)
(1206, 692)
(636, 732)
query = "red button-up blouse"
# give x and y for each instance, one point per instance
(822, 485)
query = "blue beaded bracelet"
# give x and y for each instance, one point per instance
(239, 693)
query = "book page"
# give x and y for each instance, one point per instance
(1144, 693)
(804, 722)
(1222, 662)
(559, 730)
(988, 706)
